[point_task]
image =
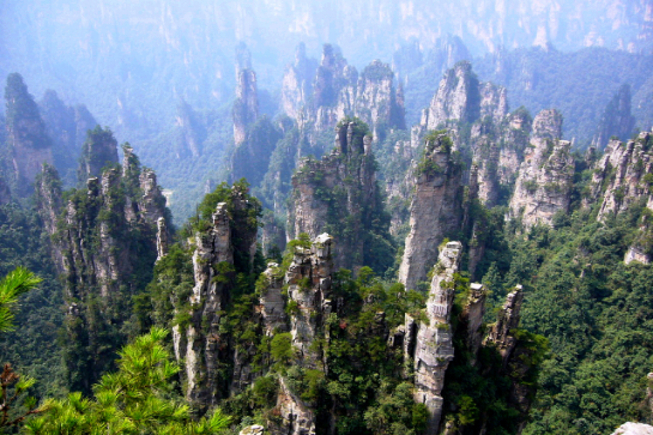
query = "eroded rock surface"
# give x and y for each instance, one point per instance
(429, 345)
(435, 211)
(545, 176)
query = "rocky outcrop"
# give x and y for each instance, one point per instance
(508, 319)
(338, 91)
(435, 211)
(634, 429)
(473, 313)
(544, 183)
(461, 98)
(199, 344)
(225, 248)
(189, 131)
(67, 127)
(429, 344)
(617, 120)
(334, 92)
(619, 178)
(497, 147)
(377, 103)
(339, 194)
(161, 238)
(297, 86)
(104, 245)
(28, 142)
(309, 289)
(100, 149)
(272, 301)
(296, 418)
(245, 111)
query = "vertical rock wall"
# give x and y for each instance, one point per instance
(429, 345)
(435, 211)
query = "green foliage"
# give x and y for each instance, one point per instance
(12, 286)
(32, 346)
(15, 405)
(137, 399)
(281, 348)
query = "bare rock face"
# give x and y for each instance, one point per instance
(255, 429)
(498, 147)
(296, 87)
(435, 211)
(430, 345)
(619, 175)
(508, 320)
(189, 131)
(100, 149)
(309, 288)
(245, 110)
(460, 97)
(473, 313)
(296, 417)
(27, 139)
(340, 187)
(376, 101)
(457, 98)
(67, 127)
(100, 238)
(273, 303)
(200, 343)
(617, 119)
(634, 429)
(334, 92)
(161, 238)
(338, 91)
(545, 177)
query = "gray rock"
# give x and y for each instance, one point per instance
(634, 429)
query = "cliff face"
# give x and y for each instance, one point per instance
(339, 194)
(245, 111)
(545, 176)
(297, 86)
(309, 287)
(377, 102)
(100, 149)
(619, 176)
(338, 91)
(435, 211)
(67, 127)
(617, 119)
(29, 144)
(429, 345)
(200, 344)
(461, 98)
(190, 132)
(104, 244)
(220, 251)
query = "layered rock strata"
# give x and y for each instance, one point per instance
(245, 111)
(103, 238)
(309, 287)
(500, 333)
(429, 344)
(339, 91)
(28, 142)
(545, 176)
(619, 178)
(339, 189)
(435, 211)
